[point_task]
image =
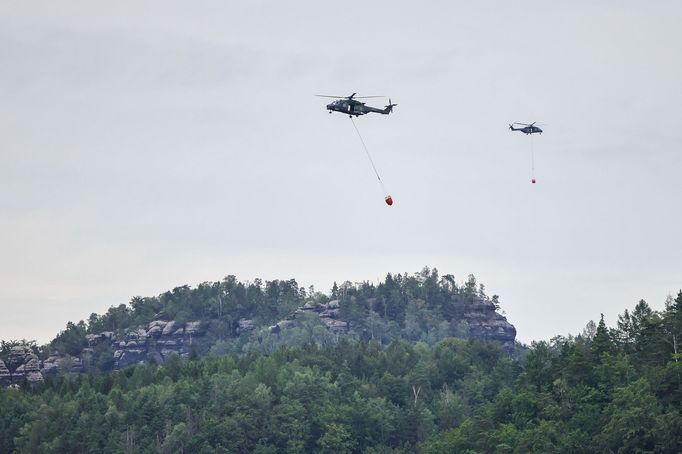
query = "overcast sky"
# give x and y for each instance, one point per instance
(147, 145)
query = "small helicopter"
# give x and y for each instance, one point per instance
(526, 129)
(351, 106)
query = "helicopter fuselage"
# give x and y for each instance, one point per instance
(528, 129)
(353, 107)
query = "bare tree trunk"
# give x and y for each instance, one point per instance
(415, 391)
(679, 378)
(675, 346)
(190, 421)
(130, 439)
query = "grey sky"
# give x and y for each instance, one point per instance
(146, 145)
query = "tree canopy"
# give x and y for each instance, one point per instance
(403, 379)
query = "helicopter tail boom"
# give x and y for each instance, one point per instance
(389, 108)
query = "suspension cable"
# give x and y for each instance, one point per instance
(387, 196)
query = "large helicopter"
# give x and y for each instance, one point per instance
(351, 106)
(527, 128)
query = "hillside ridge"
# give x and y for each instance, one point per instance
(234, 317)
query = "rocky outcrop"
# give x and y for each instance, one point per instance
(484, 322)
(328, 313)
(22, 364)
(479, 315)
(244, 325)
(96, 339)
(5, 375)
(51, 366)
(158, 341)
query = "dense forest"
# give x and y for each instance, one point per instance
(422, 306)
(605, 390)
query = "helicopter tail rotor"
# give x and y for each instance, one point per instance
(389, 108)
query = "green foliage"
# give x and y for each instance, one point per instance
(422, 307)
(398, 382)
(576, 394)
(603, 391)
(227, 300)
(71, 341)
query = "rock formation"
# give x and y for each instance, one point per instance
(161, 339)
(479, 316)
(328, 313)
(158, 341)
(5, 375)
(485, 323)
(22, 364)
(245, 325)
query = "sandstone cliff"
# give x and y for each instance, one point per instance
(22, 364)
(160, 339)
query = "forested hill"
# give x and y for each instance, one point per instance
(230, 316)
(605, 390)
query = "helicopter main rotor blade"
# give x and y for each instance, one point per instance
(349, 97)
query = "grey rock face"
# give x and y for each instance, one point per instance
(161, 339)
(168, 329)
(157, 323)
(17, 356)
(194, 329)
(22, 364)
(328, 313)
(129, 357)
(77, 366)
(96, 339)
(485, 323)
(155, 331)
(92, 339)
(5, 376)
(335, 325)
(245, 325)
(51, 366)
